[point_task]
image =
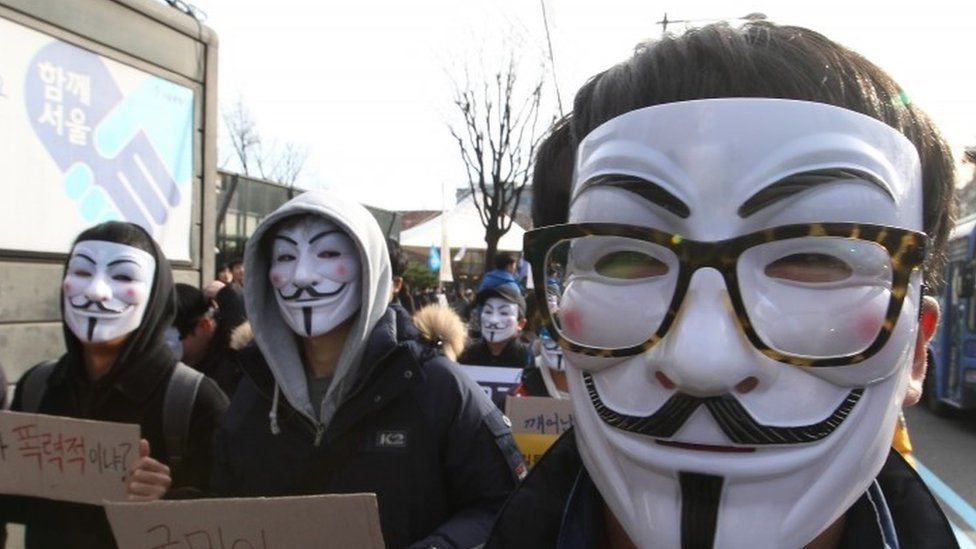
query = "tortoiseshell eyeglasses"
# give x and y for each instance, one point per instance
(821, 294)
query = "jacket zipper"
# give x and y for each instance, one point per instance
(317, 428)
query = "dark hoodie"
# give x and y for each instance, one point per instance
(399, 420)
(131, 392)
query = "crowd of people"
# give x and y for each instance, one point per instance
(736, 230)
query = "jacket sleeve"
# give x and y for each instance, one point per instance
(191, 478)
(482, 467)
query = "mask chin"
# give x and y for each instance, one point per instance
(322, 318)
(777, 496)
(496, 336)
(102, 330)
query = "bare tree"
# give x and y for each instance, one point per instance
(497, 138)
(278, 163)
(243, 135)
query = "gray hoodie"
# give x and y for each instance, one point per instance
(277, 341)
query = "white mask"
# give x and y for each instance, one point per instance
(550, 353)
(499, 320)
(106, 289)
(315, 271)
(711, 156)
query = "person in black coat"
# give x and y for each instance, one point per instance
(117, 302)
(336, 399)
(736, 229)
(502, 320)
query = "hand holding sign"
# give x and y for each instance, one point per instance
(149, 479)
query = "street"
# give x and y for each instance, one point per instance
(944, 448)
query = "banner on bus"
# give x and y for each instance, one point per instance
(88, 139)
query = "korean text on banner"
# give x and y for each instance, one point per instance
(537, 422)
(327, 522)
(65, 459)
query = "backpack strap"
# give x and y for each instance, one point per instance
(181, 394)
(35, 386)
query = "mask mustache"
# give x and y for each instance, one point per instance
(98, 305)
(730, 415)
(310, 291)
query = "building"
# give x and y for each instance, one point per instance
(523, 214)
(242, 201)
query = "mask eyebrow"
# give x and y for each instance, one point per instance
(648, 190)
(801, 181)
(123, 260)
(322, 234)
(83, 256)
(286, 239)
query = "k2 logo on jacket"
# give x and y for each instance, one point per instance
(391, 439)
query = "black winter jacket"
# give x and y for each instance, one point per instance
(132, 391)
(415, 431)
(552, 508)
(515, 355)
(135, 398)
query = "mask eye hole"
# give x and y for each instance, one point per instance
(630, 265)
(122, 278)
(328, 254)
(809, 267)
(284, 258)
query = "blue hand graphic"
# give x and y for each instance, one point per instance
(139, 155)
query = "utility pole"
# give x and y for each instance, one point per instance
(664, 22)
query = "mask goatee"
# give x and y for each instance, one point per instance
(91, 328)
(700, 497)
(307, 314)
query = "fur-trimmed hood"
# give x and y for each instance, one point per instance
(439, 324)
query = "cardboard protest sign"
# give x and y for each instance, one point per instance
(64, 458)
(325, 522)
(537, 422)
(496, 382)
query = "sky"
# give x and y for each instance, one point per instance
(366, 86)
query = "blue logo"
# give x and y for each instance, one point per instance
(124, 156)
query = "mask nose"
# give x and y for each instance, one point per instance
(706, 353)
(305, 274)
(98, 291)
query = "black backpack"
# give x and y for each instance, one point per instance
(181, 394)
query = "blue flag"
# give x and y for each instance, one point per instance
(434, 259)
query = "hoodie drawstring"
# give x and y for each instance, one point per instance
(273, 415)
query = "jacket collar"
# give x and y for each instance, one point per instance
(381, 342)
(897, 510)
(136, 380)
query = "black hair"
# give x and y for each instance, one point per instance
(229, 315)
(552, 175)
(762, 59)
(121, 233)
(190, 308)
(235, 263)
(398, 260)
(504, 260)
